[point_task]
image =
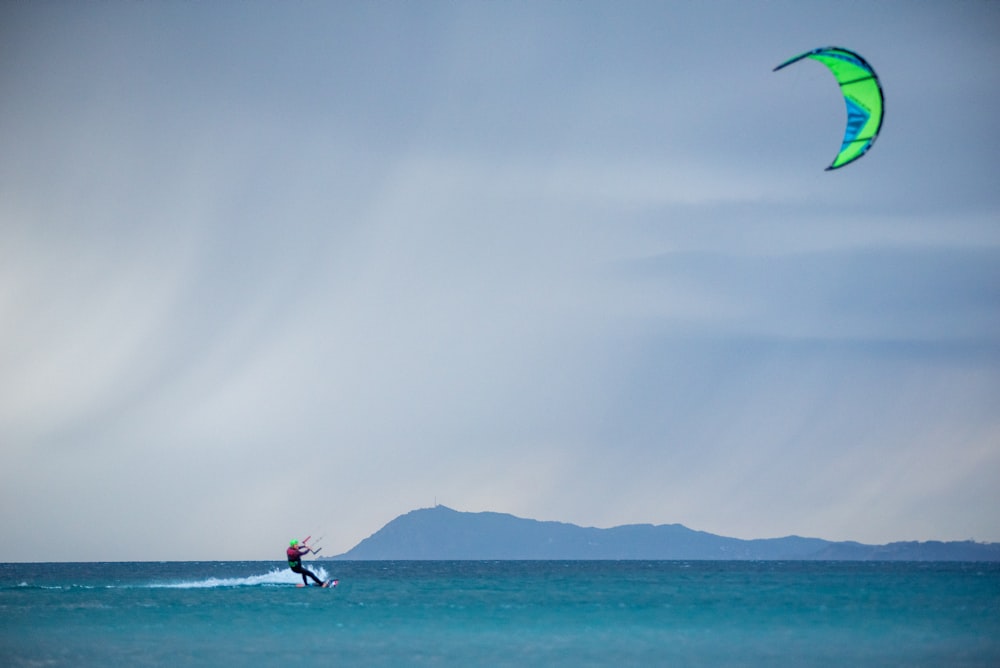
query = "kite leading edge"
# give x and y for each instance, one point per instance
(862, 93)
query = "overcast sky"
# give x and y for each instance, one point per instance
(278, 269)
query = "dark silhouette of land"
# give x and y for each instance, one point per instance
(441, 533)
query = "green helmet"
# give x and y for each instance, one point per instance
(294, 543)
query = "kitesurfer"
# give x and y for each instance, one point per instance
(295, 552)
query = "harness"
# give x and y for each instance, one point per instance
(294, 557)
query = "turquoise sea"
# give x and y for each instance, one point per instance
(506, 613)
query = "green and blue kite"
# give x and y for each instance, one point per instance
(862, 93)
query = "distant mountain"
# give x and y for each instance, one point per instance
(441, 533)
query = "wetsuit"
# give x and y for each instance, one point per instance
(295, 563)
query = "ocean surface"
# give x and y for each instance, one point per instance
(506, 613)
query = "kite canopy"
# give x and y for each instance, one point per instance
(862, 93)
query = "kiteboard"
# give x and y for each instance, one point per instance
(328, 584)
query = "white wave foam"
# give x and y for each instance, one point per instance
(277, 576)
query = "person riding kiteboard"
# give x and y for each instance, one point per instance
(295, 553)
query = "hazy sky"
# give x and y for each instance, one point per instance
(273, 269)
